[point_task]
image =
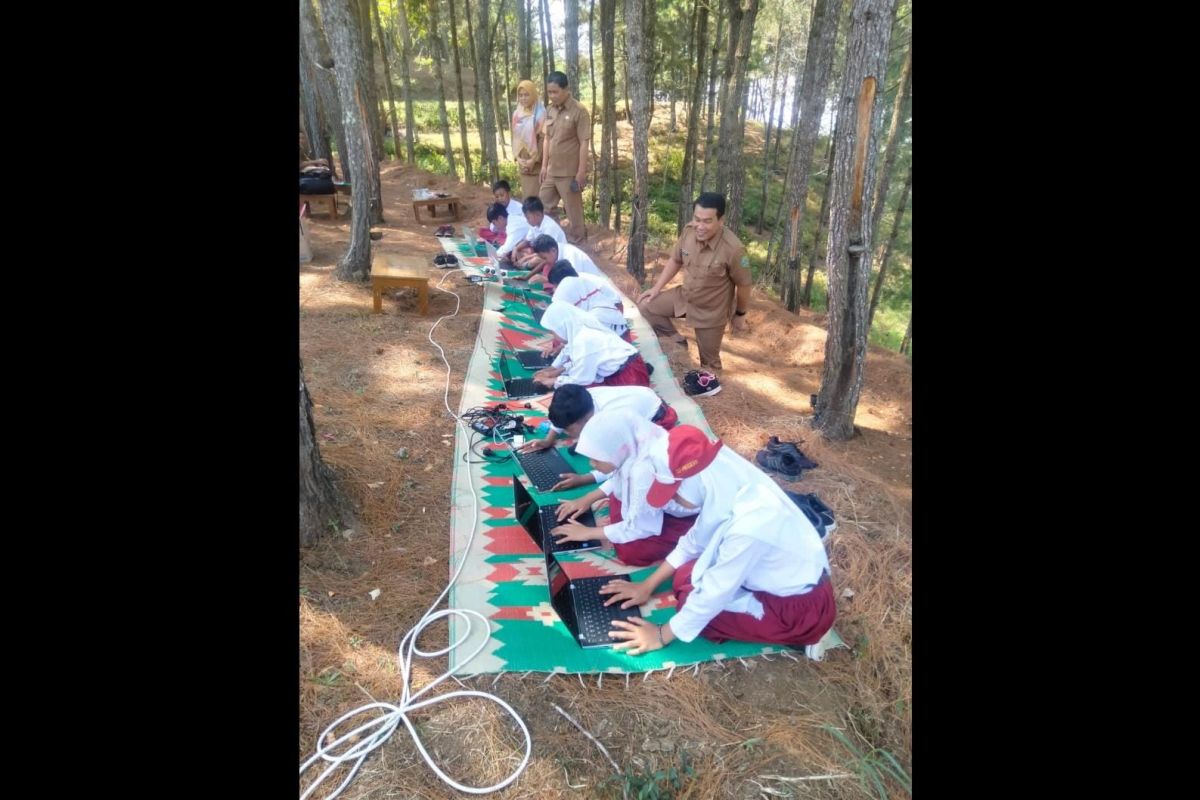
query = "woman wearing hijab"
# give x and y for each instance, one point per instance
(633, 451)
(527, 121)
(752, 568)
(591, 355)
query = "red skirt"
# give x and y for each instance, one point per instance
(666, 418)
(632, 373)
(652, 549)
(798, 620)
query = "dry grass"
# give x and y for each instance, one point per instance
(378, 387)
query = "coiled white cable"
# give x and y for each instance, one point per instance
(388, 717)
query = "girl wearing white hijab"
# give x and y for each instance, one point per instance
(752, 567)
(634, 450)
(591, 355)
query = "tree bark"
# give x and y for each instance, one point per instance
(767, 162)
(635, 47)
(350, 72)
(476, 71)
(712, 98)
(437, 50)
(848, 255)
(362, 24)
(462, 109)
(894, 134)
(891, 243)
(549, 28)
(730, 174)
(316, 53)
(592, 70)
(822, 226)
(314, 115)
(822, 33)
(906, 342)
(483, 85)
(523, 68)
(693, 121)
(387, 73)
(608, 131)
(499, 97)
(320, 503)
(406, 85)
(571, 37)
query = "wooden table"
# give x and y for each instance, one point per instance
(431, 203)
(392, 271)
(329, 201)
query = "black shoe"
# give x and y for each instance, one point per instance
(446, 260)
(699, 383)
(776, 446)
(783, 463)
(817, 512)
(649, 368)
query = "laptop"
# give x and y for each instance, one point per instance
(518, 388)
(543, 467)
(536, 311)
(470, 236)
(580, 606)
(533, 359)
(538, 521)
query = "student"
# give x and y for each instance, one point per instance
(538, 224)
(503, 195)
(634, 452)
(591, 353)
(572, 406)
(589, 293)
(752, 568)
(497, 230)
(550, 252)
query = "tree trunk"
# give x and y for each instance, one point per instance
(316, 53)
(592, 130)
(635, 47)
(314, 118)
(887, 251)
(537, 9)
(320, 503)
(608, 130)
(523, 66)
(475, 70)
(387, 73)
(848, 254)
(822, 33)
(571, 37)
(906, 342)
(549, 28)
(483, 85)
(406, 85)
(498, 95)
(730, 173)
(822, 226)
(437, 50)
(734, 9)
(767, 163)
(362, 24)
(350, 72)
(462, 109)
(712, 99)
(693, 121)
(890, 149)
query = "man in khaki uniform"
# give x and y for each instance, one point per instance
(565, 157)
(713, 262)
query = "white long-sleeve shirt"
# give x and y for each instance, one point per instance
(757, 542)
(519, 230)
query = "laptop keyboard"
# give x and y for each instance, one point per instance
(594, 618)
(523, 387)
(533, 359)
(543, 467)
(549, 520)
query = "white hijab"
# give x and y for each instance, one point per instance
(636, 447)
(592, 351)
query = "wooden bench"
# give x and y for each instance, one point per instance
(392, 272)
(431, 203)
(329, 201)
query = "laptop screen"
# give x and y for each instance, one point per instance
(505, 375)
(555, 577)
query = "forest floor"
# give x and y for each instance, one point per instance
(731, 730)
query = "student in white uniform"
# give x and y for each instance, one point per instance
(752, 568)
(591, 353)
(589, 293)
(633, 451)
(536, 224)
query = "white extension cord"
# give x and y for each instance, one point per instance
(385, 721)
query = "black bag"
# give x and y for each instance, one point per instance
(316, 181)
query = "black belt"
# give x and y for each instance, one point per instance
(662, 412)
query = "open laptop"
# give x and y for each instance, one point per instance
(580, 606)
(543, 467)
(518, 388)
(535, 311)
(538, 521)
(533, 359)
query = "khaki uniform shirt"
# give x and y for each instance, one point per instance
(711, 270)
(565, 128)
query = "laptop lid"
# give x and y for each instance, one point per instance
(527, 512)
(559, 587)
(505, 375)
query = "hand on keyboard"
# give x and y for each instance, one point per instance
(572, 479)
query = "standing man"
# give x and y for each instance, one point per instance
(565, 156)
(714, 263)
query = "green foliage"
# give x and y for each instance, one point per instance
(638, 784)
(874, 767)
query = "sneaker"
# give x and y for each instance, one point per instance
(817, 512)
(776, 446)
(699, 383)
(446, 260)
(783, 463)
(649, 368)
